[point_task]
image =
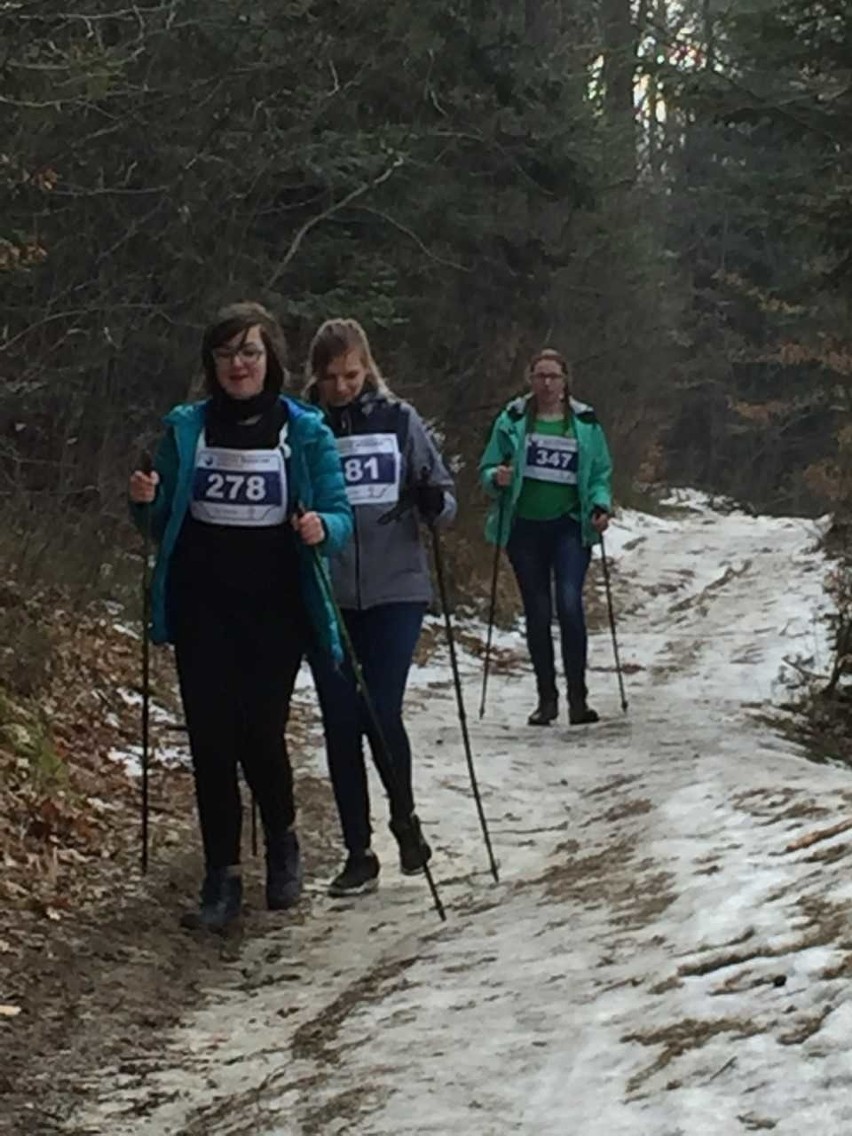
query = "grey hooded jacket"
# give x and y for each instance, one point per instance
(387, 562)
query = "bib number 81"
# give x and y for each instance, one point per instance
(356, 470)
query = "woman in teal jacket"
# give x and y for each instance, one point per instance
(548, 468)
(246, 489)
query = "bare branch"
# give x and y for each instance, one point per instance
(329, 212)
(414, 237)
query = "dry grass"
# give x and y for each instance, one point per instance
(683, 1037)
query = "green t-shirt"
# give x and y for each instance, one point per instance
(549, 488)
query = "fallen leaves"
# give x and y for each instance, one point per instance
(67, 812)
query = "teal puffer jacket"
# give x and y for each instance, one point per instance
(315, 480)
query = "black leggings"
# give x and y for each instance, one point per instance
(237, 661)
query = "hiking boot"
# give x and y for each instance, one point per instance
(414, 852)
(284, 871)
(360, 875)
(221, 901)
(546, 712)
(579, 711)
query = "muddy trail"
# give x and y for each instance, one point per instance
(666, 952)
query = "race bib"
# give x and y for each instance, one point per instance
(551, 458)
(371, 467)
(241, 488)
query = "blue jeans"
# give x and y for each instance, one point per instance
(384, 638)
(539, 550)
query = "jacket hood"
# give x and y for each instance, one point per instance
(517, 408)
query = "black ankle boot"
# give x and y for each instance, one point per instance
(414, 852)
(221, 901)
(579, 711)
(284, 871)
(546, 712)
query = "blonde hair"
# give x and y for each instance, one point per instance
(334, 338)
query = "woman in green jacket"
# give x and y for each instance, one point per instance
(548, 468)
(246, 490)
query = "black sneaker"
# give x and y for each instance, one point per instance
(546, 712)
(221, 902)
(283, 872)
(360, 875)
(414, 851)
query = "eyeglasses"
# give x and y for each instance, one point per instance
(248, 353)
(547, 375)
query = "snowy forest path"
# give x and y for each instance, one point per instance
(667, 950)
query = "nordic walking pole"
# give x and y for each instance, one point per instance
(389, 776)
(451, 644)
(146, 465)
(608, 589)
(493, 602)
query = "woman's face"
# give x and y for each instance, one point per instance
(343, 380)
(547, 382)
(241, 364)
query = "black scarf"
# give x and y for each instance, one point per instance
(226, 411)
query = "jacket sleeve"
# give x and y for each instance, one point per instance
(426, 466)
(600, 477)
(498, 451)
(329, 490)
(166, 465)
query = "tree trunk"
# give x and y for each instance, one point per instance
(619, 43)
(541, 21)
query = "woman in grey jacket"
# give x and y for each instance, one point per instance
(395, 479)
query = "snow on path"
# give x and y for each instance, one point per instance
(654, 961)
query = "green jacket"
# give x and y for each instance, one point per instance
(508, 444)
(315, 480)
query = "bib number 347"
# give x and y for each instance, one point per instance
(551, 458)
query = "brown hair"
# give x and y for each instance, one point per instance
(335, 338)
(241, 317)
(552, 356)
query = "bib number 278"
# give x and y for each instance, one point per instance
(236, 487)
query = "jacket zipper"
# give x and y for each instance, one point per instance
(346, 423)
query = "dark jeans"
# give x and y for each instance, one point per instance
(237, 661)
(539, 550)
(384, 638)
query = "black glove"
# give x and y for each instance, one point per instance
(429, 500)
